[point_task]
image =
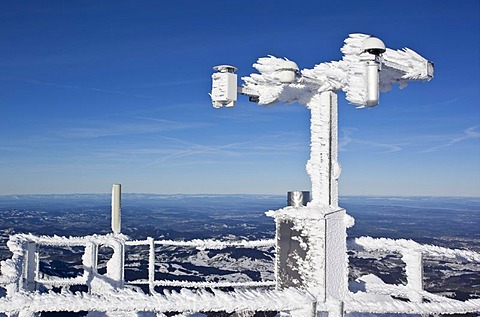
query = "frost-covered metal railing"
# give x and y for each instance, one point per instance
(201, 245)
(23, 269)
(379, 297)
(21, 279)
(27, 291)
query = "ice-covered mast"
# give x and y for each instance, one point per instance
(311, 240)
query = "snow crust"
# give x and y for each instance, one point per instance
(185, 300)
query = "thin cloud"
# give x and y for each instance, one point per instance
(468, 134)
(94, 89)
(105, 129)
(196, 151)
(251, 147)
(163, 149)
(170, 83)
(389, 148)
(347, 139)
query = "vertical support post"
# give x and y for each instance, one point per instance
(114, 278)
(322, 167)
(335, 168)
(414, 270)
(116, 265)
(30, 266)
(151, 265)
(116, 209)
(37, 266)
(311, 245)
(89, 261)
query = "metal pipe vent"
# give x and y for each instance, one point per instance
(298, 198)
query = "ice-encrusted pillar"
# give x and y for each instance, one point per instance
(323, 167)
(151, 265)
(114, 277)
(116, 265)
(30, 266)
(414, 270)
(311, 240)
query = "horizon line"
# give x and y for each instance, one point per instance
(230, 194)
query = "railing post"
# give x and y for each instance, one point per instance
(414, 270)
(116, 265)
(151, 265)
(30, 266)
(89, 261)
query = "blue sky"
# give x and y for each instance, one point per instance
(99, 92)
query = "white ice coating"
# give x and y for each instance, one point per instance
(210, 243)
(316, 89)
(311, 266)
(14, 272)
(348, 75)
(323, 167)
(320, 257)
(185, 300)
(113, 279)
(401, 245)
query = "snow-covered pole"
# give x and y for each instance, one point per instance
(116, 208)
(151, 265)
(89, 262)
(30, 266)
(414, 270)
(323, 167)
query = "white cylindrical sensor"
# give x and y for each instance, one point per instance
(287, 76)
(116, 208)
(372, 84)
(287, 72)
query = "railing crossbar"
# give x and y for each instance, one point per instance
(191, 284)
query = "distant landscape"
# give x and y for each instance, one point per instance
(445, 221)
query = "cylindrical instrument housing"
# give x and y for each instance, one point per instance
(298, 198)
(372, 83)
